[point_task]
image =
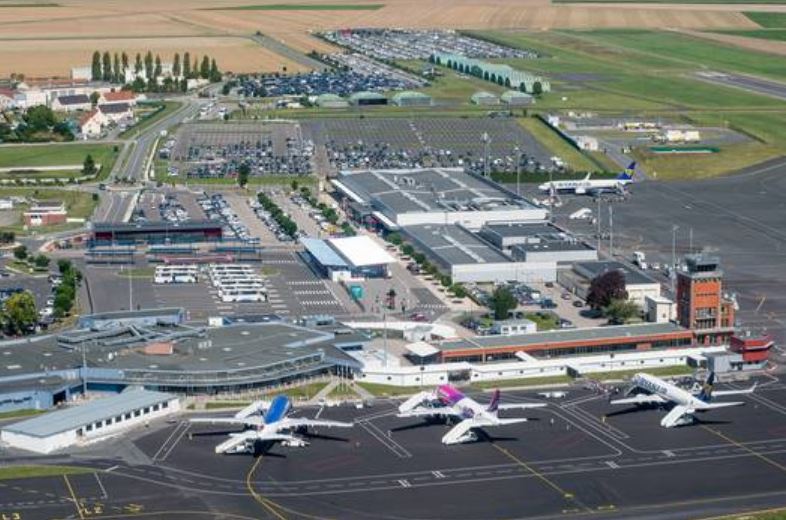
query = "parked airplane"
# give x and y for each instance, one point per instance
(589, 186)
(685, 403)
(266, 422)
(447, 401)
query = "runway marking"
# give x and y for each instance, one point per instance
(438, 474)
(386, 441)
(101, 485)
(73, 497)
(565, 494)
(749, 450)
(669, 453)
(612, 464)
(160, 457)
(404, 483)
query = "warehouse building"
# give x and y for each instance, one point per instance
(348, 258)
(537, 242)
(406, 197)
(515, 98)
(331, 101)
(367, 98)
(94, 420)
(484, 98)
(410, 98)
(465, 257)
(503, 75)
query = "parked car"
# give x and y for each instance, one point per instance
(548, 304)
(578, 303)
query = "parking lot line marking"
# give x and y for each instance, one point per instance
(73, 497)
(101, 485)
(565, 494)
(749, 450)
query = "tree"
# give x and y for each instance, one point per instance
(40, 118)
(242, 174)
(157, 71)
(94, 97)
(186, 65)
(106, 74)
(149, 65)
(204, 69)
(294, 185)
(116, 68)
(20, 252)
(64, 266)
(95, 71)
(138, 64)
(537, 88)
(606, 287)
(89, 166)
(395, 239)
(176, 65)
(20, 312)
(215, 74)
(458, 290)
(407, 249)
(7, 237)
(124, 62)
(195, 68)
(502, 302)
(621, 311)
(41, 261)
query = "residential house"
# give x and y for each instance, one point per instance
(7, 98)
(91, 124)
(116, 112)
(119, 96)
(72, 103)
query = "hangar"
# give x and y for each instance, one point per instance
(88, 422)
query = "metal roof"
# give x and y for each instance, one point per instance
(322, 252)
(593, 269)
(454, 245)
(554, 337)
(361, 251)
(76, 417)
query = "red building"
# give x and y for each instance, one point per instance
(754, 349)
(45, 213)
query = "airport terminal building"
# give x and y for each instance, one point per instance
(43, 371)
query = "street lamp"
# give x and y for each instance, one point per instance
(517, 151)
(673, 277)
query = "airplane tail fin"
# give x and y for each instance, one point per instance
(494, 404)
(628, 173)
(706, 391)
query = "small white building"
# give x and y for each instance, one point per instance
(91, 124)
(588, 143)
(6, 204)
(72, 103)
(659, 309)
(514, 327)
(89, 422)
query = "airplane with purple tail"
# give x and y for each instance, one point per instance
(447, 401)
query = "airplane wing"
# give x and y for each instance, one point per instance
(521, 406)
(710, 406)
(247, 421)
(428, 412)
(296, 422)
(640, 399)
(721, 393)
(236, 441)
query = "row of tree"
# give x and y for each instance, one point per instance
(288, 225)
(39, 124)
(148, 70)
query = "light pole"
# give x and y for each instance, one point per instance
(518, 171)
(485, 139)
(673, 276)
(611, 230)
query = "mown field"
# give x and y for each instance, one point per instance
(54, 154)
(767, 20)
(761, 34)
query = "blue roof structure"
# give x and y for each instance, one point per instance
(323, 253)
(79, 416)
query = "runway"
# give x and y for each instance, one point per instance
(574, 458)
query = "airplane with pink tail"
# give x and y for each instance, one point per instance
(447, 401)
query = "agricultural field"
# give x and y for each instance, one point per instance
(301, 7)
(36, 155)
(56, 57)
(761, 34)
(767, 20)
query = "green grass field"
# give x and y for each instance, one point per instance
(301, 7)
(761, 34)
(526, 381)
(740, 2)
(551, 140)
(31, 471)
(79, 205)
(380, 390)
(27, 412)
(679, 370)
(55, 154)
(768, 20)
(687, 52)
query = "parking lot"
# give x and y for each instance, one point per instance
(408, 143)
(292, 290)
(405, 44)
(217, 150)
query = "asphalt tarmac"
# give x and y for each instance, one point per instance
(578, 457)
